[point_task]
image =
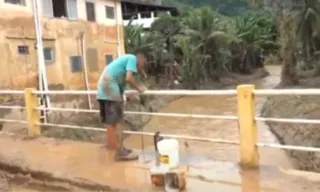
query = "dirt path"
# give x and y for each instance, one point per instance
(89, 167)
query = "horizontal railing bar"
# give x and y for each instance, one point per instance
(288, 147)
(147, 92)
(284, 120)
(222, 141)
(13, 121)
(258, 92)
(11, 107)
(183, 115)
(68, 110)
(148, 113)
(265, 92)
(269, 92)
(11, 92)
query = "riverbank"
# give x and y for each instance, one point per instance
(301, 107)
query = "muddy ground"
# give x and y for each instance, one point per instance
(300, 107)
(20, 182)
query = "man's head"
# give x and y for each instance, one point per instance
(141, 61)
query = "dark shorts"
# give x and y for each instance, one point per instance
(111, 112)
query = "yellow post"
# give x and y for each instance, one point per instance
(249, 156)
(33, 115)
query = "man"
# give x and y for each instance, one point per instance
(111, 88)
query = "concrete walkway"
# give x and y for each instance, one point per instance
(92, 165)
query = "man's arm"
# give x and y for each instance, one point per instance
(132, 80)
(131, 68)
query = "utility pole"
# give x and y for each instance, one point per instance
(43, 84)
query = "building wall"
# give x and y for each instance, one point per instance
(64, 37)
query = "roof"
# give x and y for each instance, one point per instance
(162, 7)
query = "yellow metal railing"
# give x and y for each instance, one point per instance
(245, 116)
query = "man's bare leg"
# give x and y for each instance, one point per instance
(111, 137)
(122, 154)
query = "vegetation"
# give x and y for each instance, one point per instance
(300, 40)
(207, 42)
(204, 44)
(225, 7)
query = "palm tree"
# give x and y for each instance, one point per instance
(191, 63)
(253, 33)
(288, 51)
(205, 30)
(308, 23)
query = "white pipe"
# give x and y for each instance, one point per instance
(197, 116)
(84, 60)
(41, 64)
(285, 120)
(13, 121)
(288, 147)
(12, 92)
(148, 92)
(267, 92)
(118, 27)
(229, 92)
(11, 107)
(223, 141)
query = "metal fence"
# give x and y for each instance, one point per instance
(246, 116)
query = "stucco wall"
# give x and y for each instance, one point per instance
(17, 28)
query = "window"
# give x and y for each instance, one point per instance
(110, 12)
(91, 14)
(23, 50)
(92, 60)
(76, 63)
(48, 55)
(60, 8)
(109, 59)
(16, 2)
(72, 9)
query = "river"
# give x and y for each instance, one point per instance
(219, 129)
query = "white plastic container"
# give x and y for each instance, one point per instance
(169, 153)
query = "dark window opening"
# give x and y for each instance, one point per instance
(91, 13)
(16, 2)
(109, 59)
(48, 55)
(23, 50)
(59, 8)
(76, 64)
(110, 12)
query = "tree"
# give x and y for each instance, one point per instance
(288, 50)
(308, 23)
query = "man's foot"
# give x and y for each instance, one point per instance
(128, 150)
(125, 155)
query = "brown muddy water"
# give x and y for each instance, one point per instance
(219, 129)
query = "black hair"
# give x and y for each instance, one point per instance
(142, 52)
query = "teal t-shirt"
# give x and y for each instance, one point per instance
(112, 82)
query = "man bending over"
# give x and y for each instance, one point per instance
(111, 86)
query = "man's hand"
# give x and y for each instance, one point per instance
(141, 89)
